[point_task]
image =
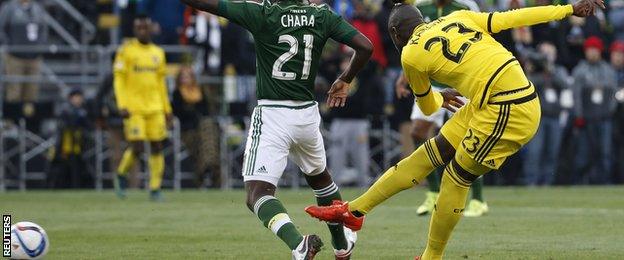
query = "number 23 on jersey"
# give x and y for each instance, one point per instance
(446, 51)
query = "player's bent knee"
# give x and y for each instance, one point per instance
(256, 190)
(318, 181)
(459, 175)
(446, 150)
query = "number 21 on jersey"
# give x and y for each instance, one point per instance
(308, 41)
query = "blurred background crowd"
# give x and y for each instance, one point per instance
(59, 115)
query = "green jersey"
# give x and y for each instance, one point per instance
(289, 39)
(431, 10)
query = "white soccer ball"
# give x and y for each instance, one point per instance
(28, 241)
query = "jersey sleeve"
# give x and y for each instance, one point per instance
(246, 13)
(339, 29)
(120, 67)
(499, 21)
(428, 100)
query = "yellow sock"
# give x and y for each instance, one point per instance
(157, 168)
(127, 161)
(447, 212)
(404, 175)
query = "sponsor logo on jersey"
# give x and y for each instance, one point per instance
(138, 68)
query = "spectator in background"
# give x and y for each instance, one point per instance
(351, 124)
(577, 30)
(549, 80)
(68, 168)
(241, 55)
(22, 24)
(168, 16)
(393, 69)
(344, 8)
(200, 134)
(617, 61)
(399, 109)
(364, 22)
(616, 18)
(350, 129)
(594, 94)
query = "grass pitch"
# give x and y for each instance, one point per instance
(551, 223)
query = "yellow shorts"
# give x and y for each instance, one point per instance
(487, 136)
(145, 127)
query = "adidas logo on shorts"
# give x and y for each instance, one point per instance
(491, 163)
(262, 170)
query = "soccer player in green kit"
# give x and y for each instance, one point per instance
(425, 127)
(289, 39)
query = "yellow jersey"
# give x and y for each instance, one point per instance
(457, 50)
(140, 71)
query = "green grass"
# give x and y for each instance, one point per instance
(553, 223)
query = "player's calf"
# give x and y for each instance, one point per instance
(326, 191)
(454, 188)
(261, 201)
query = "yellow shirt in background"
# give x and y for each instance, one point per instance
(140, 71)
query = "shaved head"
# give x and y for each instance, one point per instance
(401, 24)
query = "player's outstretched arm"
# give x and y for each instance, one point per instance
(499, 21)
(210, 6)
(337, 94)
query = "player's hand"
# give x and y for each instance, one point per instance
(123, 113)
(401, 87)
(584, 8)
(452, 102)
(337, 94)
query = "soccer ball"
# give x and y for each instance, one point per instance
(28, 241)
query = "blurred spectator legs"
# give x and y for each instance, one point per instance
(70, 172)
(618, 134)
(191, 139)
(593, 157)
(542, 153)
(390, 76)
(350, 141)
(21, 92)
(203, 146)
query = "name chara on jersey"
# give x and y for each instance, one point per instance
(297, 18)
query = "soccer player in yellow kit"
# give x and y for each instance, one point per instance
(503, 114)
(143, 102)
